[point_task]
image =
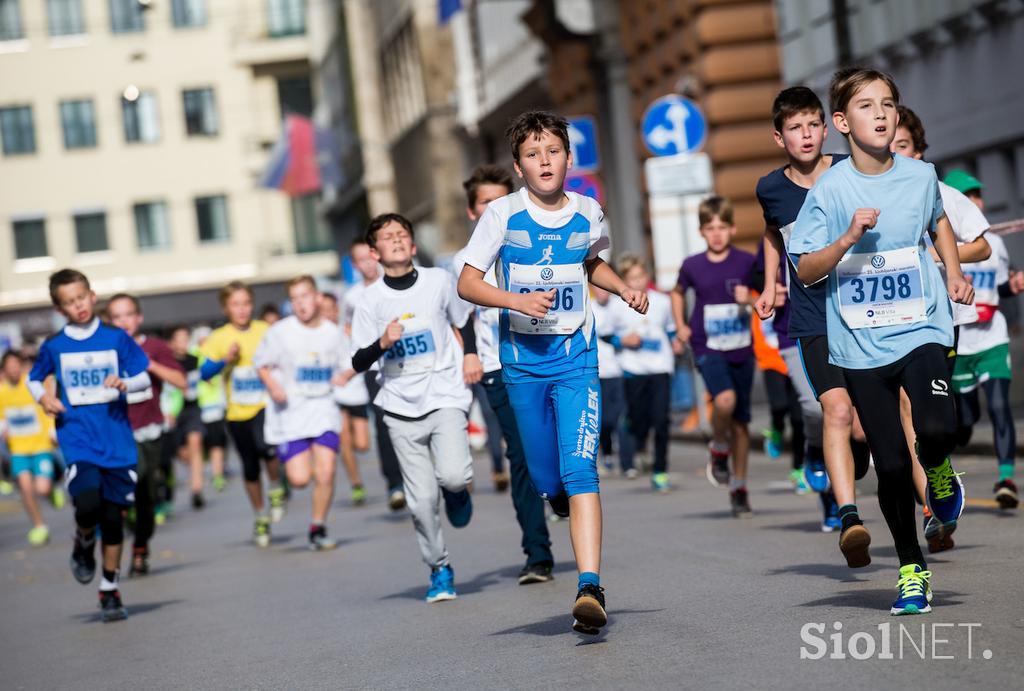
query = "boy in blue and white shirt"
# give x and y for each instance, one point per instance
(544, 243)
(94, 365)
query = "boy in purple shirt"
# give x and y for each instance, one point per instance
(719, 334)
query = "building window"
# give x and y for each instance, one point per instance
(200, 112)
(188, 13)
(152, 230)
(65, 17)
(141, 120)
(212, 219)
(10, 20)
(30, 239)
(91, 232)
(126, 16)
(79, 123)
(17, 131)
(294, 95)
(311, 232)
(286, 17)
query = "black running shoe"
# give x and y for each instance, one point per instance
(111, 607)
(1006, 494)
(588, 612)
(83, 559)
(197, 501)
(140, 562)
(536, 573)
(560, 505)
(740, 503)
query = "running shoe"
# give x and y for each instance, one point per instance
(536, 573)
(739, 503)
(938, 539)
(717, 470)
(39, 536)
(396, 499)
(57, 498)
(358, 495)
(198, 502)
(588, 613)
(278, 504)
(815, 475)
(219, 483)
(796, 476)
(560, 504)
(318, 540)
(632, 474)
(659, 482)
(83, 559)
(6, 488)
(111, 608)
(772, 442)
(458, 506)
(442, 585)
(945, 495)
(501, 481)
(914, 591)
(1006, 494)
(261, 532)
(854, 543)
(643, 461)
(830, 523)
(161, 513)
(140, 562)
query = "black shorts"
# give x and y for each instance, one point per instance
(360, 411)
(250, 444)
(822, 374)
(215, 435)
(190, 420)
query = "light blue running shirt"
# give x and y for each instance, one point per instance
(886, 297)
(535, 250)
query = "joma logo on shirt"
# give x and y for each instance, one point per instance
(548, 236)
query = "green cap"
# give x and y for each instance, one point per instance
(962, 181)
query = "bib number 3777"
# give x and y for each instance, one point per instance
(881, 288)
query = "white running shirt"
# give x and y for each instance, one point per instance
(968, 225)
(487, 336)
(988, 276)
(607, 359)
(654, 356)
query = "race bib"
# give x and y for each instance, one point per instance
(881, 289)
(139, 396)
(192, 388)
(414, 352)
(983, 278)
(567, 312)
(212, 413)
(313, 376)
(22, 421)
(727, 326)
(83, 374)
(771, 337)
(650, 339)
(247, 387)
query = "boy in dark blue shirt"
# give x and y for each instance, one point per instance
(94, 365)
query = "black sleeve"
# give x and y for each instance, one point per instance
(364, 358)
(757, 278)
(468, 333)
(1005, 291)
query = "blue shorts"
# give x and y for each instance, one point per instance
(291, 449)
(721, 375)
(36, 464)
(116, 485)
(560, 425)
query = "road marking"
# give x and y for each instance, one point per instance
(986, 503)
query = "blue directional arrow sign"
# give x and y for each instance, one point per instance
(583, 144)
(673, 125)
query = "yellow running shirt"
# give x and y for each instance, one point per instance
(245, 391)
(29, 430)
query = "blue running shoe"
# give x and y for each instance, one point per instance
(815, 475)
(442, 585)
(939, 539)
(915, 591)
(772, 442)
(458, 506)
(830, 523)
(945, 495)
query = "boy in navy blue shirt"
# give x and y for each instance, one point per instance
(94, 365)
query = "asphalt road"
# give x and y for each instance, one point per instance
(696, 600)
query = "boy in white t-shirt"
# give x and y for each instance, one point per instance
(404, 322)
(613, 390)
(297, 361)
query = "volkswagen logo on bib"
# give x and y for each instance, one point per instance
(88, 359)
(546, 274)
(878, 261)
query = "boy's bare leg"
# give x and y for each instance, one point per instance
(907, 419)
(217, 461)
(721, 417)
(585, 530)
(111, 556)
(348, 453)
(740, 449)
(194, 457)
(28, 498)
(323, 487)
(838, 420)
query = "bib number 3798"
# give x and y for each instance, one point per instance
(881, 289)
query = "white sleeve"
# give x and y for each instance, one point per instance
(458, 309)
(1003, 263)
(266, 354)
(966, 218)
(599, 240)
(139, 382)
(488, 237)
(364, 328)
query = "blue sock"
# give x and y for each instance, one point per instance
(589, 578)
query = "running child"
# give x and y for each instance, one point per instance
(719, 335)
(147, 420)
(645, 345)
(93, 364)
(404, 322)
(230, 350)
(212, 408)
(543, 243)
(889, 319)
(188, 425)
(28, 432)
(613, 388)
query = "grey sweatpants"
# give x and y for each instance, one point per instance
(433, 452)
(809, 406)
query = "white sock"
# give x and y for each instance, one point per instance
(736, 483)
(106, 586)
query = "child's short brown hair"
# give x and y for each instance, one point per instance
(794, 101)
(381, 220)
(232, 288)
(715, 206)
(914, 126)
(304, 278)
(65, 277)
(487, 174)
(533, 123)
(629, 260)
(125, 296)
(849, 80)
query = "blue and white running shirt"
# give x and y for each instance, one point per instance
(537, 250)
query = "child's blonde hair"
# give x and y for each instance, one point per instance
(627, 261)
